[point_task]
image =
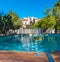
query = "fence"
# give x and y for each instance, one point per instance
(28, 31)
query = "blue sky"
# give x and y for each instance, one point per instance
(26, 8)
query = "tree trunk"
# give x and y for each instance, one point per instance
(56, 29)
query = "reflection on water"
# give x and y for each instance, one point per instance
(50, 43)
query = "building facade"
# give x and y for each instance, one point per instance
(28, 22)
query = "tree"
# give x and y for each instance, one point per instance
(9, 21)
(46, 22)
(1, 23)
(16, 20)
(56, 13)
(52, 19)
(6, 23)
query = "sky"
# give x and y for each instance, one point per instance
(27, 8)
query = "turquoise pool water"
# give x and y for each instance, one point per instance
(47, 43)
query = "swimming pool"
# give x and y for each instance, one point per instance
(49, 43)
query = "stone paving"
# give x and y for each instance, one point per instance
(6, 56)
(56, 56)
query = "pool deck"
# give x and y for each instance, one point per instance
(56, 56)
(6, 56)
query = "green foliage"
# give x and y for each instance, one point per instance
(5, 23)
(46, 22)
(16, 20)
(36, 25)
(52, 20)
(9, 21)
(56, 13)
